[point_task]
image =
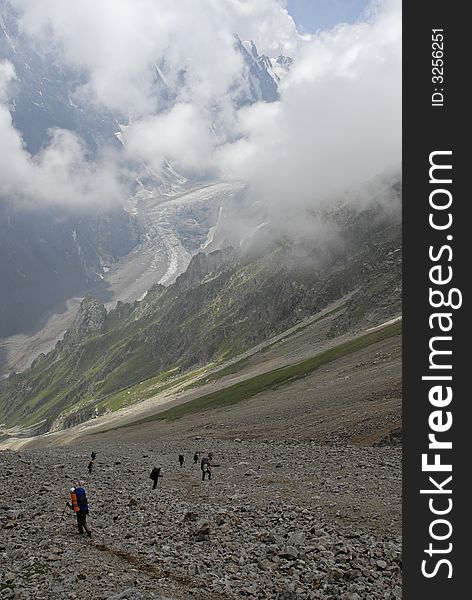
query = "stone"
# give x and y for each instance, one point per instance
(296, 539)
(202, 530)
(289, 552)
(190, 516)
(128, 594)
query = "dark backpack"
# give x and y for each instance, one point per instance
(155, 473)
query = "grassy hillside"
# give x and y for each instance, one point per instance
(224, 304)
(273, 379)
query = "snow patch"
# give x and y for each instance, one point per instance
(395, 320)
(252, 233)
(212, 230)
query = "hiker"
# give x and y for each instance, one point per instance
(155, 474)
(93, 456)
(195, 458)
(181, 460)
(205, 467)
(90, 466)
(79, 505)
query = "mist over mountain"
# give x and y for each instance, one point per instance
(196, 93)
(49, 252)
(53, 245)
(225, 303)
(170, 131)
(42, 92)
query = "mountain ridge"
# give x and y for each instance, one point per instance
(222, 305)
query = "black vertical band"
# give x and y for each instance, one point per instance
(436, 261)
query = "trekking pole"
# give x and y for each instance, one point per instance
(64, 511)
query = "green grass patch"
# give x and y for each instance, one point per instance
(243, 362)
(273, 379)
(150, 387)
(229, 370)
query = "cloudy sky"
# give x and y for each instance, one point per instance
(314, 15)
(337, 123)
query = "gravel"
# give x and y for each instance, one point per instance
(277, 522)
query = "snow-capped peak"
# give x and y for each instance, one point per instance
(277, 68)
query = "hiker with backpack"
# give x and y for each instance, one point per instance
(93, 456)
(79, 505)
(90, 466)
(155, 474)
(195, 458)
(181, 460)
(205, 467)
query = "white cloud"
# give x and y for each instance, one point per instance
(180, 135)
(118, 42)
(59, 174)
(337, 124)
(7, 75)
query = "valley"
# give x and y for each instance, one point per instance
(304, 501)
(171, 230)
(201, 276)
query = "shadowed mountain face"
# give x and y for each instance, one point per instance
(49, 256)
(261, 79)
(43, 93)
(222, 305)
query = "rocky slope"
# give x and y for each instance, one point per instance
(50, 255)
(225, 303)
(278, 521)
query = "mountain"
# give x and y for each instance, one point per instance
(262, 82)
(49, 255)
(225, 303)
(44, 91)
